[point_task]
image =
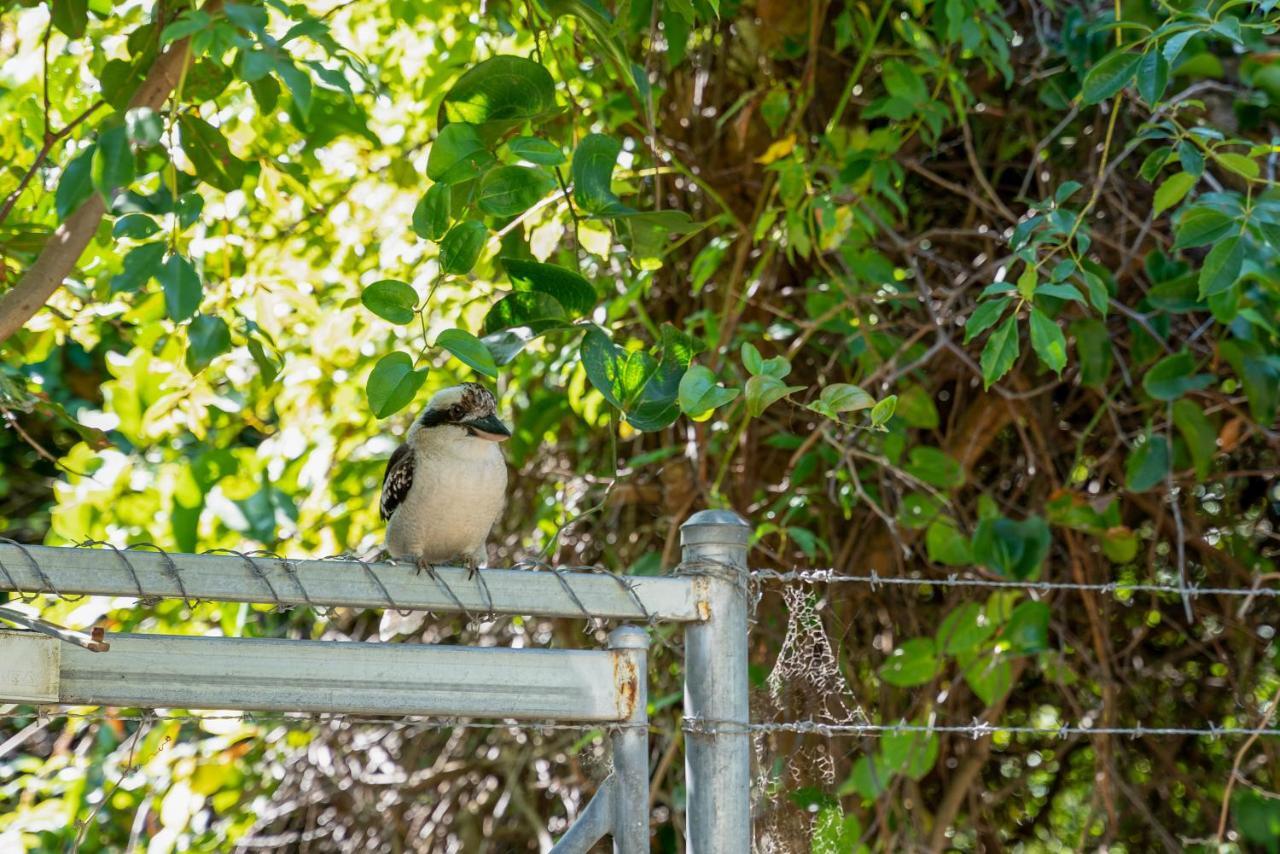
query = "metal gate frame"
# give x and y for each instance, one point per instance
(707, 594)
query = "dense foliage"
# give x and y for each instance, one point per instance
(918, 287)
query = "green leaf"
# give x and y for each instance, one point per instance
(870, 778)
(964, 629)
(536, 150)
(512, 190)
(912, 753)
(188, 23)
(1172, 191)
(70, 16)
(391, 300)
(1027, 630)
(525, 309)
(571, 290)
(593, 163)
(946, 545)
(298, 82)
(1174, 376)
(500, 93)
(990, 676)
(139, 266)
(936, 467)
(207, 338)
(207, 149)
(461, 246)
(1221, 267)
(1013, 549)
(458, 154)
(984, 317)
(134, 227)
(1239, 164)
(1199, 433)
(1109, 76)
(75, 185)
(844, 397)
(112, 166)
(751, 359)
(469, 350)
(763, 391)
(699, 394)
(1093, 348)
(1048, 341)
(1190, 157)
(392, 384)
(912, 663)
(1000, 352)
(883, 411)
(183, 290)
(775, 108)
(1153, 76)
(1202, 225)
(902, 81)
(1065, 191)
(1148, 465)
(431, 215)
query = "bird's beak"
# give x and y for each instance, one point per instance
(490, 427)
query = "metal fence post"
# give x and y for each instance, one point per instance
(631, 743)
(718, 764)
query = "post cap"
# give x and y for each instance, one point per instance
(628, 637)
(718, 527)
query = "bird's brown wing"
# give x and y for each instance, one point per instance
(398, 480)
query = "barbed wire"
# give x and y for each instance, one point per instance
(977, 729)
(248, 717)
(874, 579)
(289, 566)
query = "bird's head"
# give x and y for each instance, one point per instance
(469, 407)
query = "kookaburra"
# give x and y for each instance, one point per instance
(447, 483)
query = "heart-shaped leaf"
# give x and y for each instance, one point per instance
(392, 384)
(391, 300)
(499, 93)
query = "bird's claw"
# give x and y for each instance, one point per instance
(424, 565)
(471, 565)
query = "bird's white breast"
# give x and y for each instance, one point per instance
(459, 488)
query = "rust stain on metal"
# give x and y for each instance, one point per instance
(702, 598)
(626, 681)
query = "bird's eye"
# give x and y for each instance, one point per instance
(455, 412)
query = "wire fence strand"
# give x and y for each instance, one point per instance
(874, 579)
(976, 729)
(403, 722)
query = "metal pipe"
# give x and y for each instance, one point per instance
(178, 672)
(631, 742)
(593, 822)
(323, 583)
(718, 766)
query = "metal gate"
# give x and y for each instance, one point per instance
(707, 594)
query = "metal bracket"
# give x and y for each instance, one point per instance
(94, 642)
